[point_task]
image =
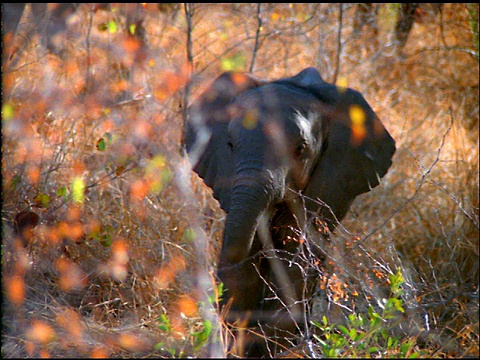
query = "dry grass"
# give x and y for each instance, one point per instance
(96, 274)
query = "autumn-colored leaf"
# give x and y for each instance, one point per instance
(138, 190)
(15, 289)
(131, 342)
(41, 200)
(99, 352)
(187, 306)
(71, 275)
(40, 332)
(120, 170)
(71, 322)
(358, 119)
(166, 274)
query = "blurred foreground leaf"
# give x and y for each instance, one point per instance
(78, 190)
(42, 200)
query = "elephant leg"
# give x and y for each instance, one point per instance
(285, 318)
(244, 286)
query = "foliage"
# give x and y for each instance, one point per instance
(368, 335)
(109, 241)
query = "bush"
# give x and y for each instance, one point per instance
(110, 241)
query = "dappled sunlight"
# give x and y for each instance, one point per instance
(358, 119)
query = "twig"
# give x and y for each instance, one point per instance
(470, 52)
(90, 24)
(189, 11)
(417, 190)
(257, 37)
(339, 43)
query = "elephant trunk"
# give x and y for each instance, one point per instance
(251, 196)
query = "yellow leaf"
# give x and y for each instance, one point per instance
(78, 190)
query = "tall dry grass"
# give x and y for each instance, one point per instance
(126, 232)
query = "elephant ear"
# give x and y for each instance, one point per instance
(206, 137)
(307, 79)
(357, 154)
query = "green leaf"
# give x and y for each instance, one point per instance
(234, 63)
(343, 329)
(189, 235)
(105, 240)
(389, 342)
(15, 181)
(164, 324)
(7, 111)
(404, 347)
(316, 323)
(202, 336)
(101, 144)
(396, 281)
(105, 140)
(62, 191)
(42, 200)
(132, 28)
(159, 346)
(112, 27)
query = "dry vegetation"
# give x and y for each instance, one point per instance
(105, 228)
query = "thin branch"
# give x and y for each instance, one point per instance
(257, 36)
(470, 52)
(90, 25)
(189, 10)
(339, 43)
(419, 187)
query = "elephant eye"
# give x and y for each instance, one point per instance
(301, 150)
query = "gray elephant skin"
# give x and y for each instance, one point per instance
(281, 157)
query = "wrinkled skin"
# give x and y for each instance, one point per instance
(260, 145)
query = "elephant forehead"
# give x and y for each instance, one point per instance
(305, 123)
(271, 102)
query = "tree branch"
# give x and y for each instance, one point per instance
(339, 43)
(188, 8)
(257, 37)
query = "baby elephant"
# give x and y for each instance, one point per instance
(281, 158)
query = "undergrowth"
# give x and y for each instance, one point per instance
(110, 242)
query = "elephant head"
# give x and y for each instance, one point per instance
(260, 144)
(262, 138)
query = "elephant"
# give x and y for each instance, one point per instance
(285, 159)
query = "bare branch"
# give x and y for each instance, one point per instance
(189, 11)
(257, 36)
(339, 43)
(420, 185)
(90, 24)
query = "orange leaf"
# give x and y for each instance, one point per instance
(40, 332)
(15, 289)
